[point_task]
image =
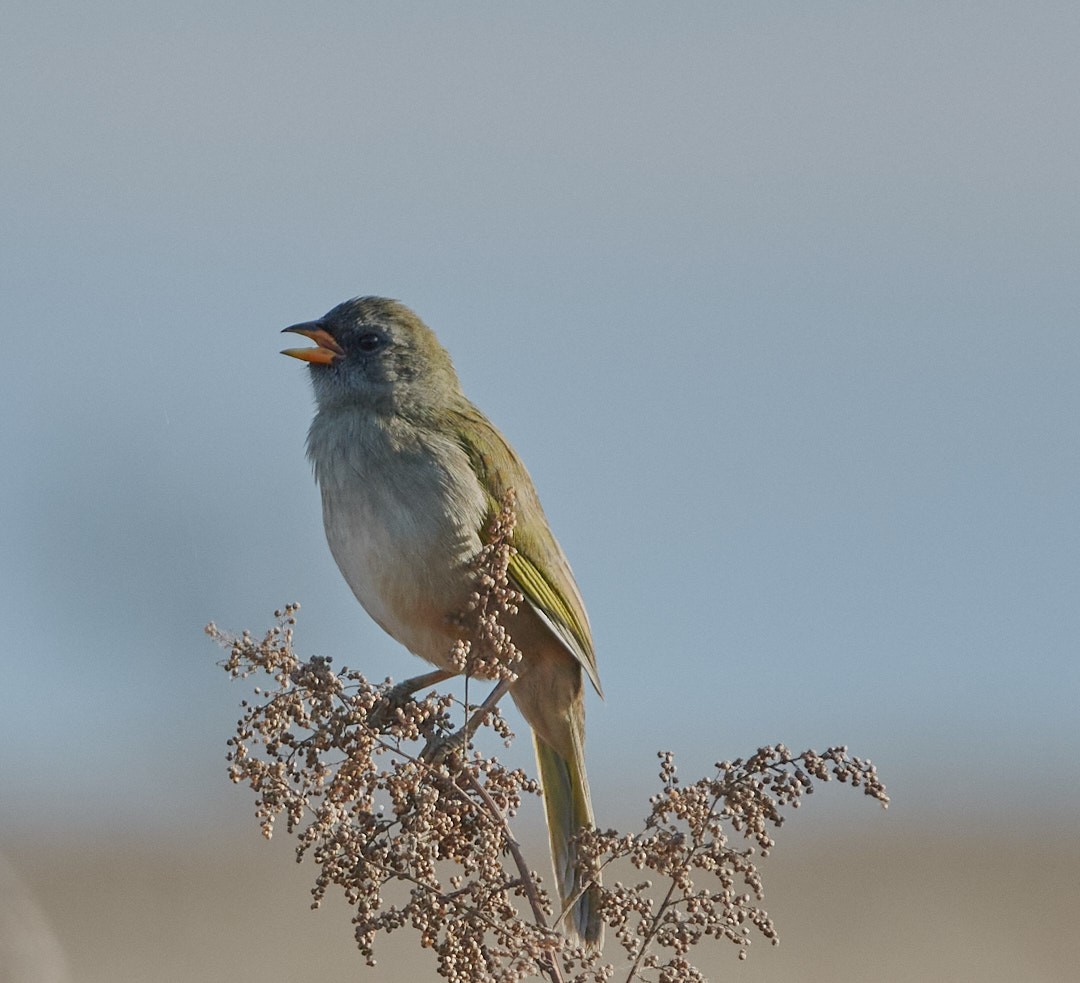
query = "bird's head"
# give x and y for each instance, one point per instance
(376, 353)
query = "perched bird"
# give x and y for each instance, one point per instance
(410, 473)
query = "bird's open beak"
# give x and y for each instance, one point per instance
(328, 348)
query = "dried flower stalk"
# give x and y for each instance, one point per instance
(350, 766)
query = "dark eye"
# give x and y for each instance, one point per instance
(370, 341)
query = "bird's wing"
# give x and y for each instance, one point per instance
(538, 566)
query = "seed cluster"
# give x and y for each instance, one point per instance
(711, 887)
(423, 841)
(487, 651)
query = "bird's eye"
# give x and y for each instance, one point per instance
(370, 341)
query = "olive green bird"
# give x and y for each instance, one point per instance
(411, 473)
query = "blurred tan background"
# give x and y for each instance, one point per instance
(886, 903)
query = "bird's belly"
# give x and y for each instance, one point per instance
(406, 561)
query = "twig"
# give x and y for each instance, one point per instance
(552, 969)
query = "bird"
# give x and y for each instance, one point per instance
(411, 473)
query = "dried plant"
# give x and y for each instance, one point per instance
(382, 791)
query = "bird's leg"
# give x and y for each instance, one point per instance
(398, 695)
(437, 749)
(409, 686)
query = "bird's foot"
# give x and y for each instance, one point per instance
(440, 750)
(385, 712)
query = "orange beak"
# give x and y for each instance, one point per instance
(328, 348)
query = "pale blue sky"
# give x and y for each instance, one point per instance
(777, 301)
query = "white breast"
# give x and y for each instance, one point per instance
(402, 517)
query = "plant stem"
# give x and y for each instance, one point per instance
(552, 969)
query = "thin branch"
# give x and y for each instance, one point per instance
(552, 969)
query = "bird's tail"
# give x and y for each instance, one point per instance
(568, 807)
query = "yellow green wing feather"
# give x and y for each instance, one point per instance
(539, 567)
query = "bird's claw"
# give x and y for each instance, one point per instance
(382, 715)
(438, 749)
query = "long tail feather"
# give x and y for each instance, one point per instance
(568, 807)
